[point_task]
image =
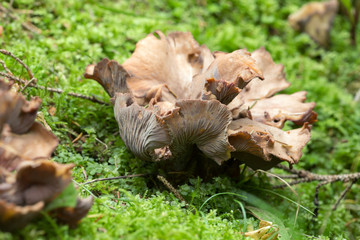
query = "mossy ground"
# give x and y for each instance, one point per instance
(76, 33)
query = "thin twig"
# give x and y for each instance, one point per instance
(5, 52)
(106, 146)
(28, 83)
(84, 172)
(342, 195)
(290, 170)
(286, 176)
(77, 95)
(32, 82)
(77, 138)
(6, 69)
(306, 176)
(171, 188)
(292, 183)
(115, 178)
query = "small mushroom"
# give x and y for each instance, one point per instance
(315, 18)
(26, 146)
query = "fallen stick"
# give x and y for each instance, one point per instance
(55, 90)
(304, 176)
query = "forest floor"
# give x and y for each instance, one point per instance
(66, 35)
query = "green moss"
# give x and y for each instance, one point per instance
(76, 33)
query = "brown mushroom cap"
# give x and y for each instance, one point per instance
(20, 138)
(273, 77)
(23, 114)
(258, 97)
(37, 143)
(13, 217)
(315, 18)
(24, 146)
(276, 110)
(37, 181)
(110, 74)
(15, 110)
(221, 90)
(72, 215)
(170, 61)
(262, 146)
(236, 69)
(26, 192)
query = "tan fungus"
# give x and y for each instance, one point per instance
(177, 103)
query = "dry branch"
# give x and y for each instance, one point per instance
(342, 195)
(32, 80)
(304, 176)
(5, 52)
(4, 66)
(171, 188)
(28, 83)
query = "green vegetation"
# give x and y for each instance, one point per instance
(76, 33)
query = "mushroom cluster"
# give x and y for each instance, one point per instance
(185, 107)
(29, 182)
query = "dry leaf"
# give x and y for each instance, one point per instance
(266, 231)
(52, 110)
